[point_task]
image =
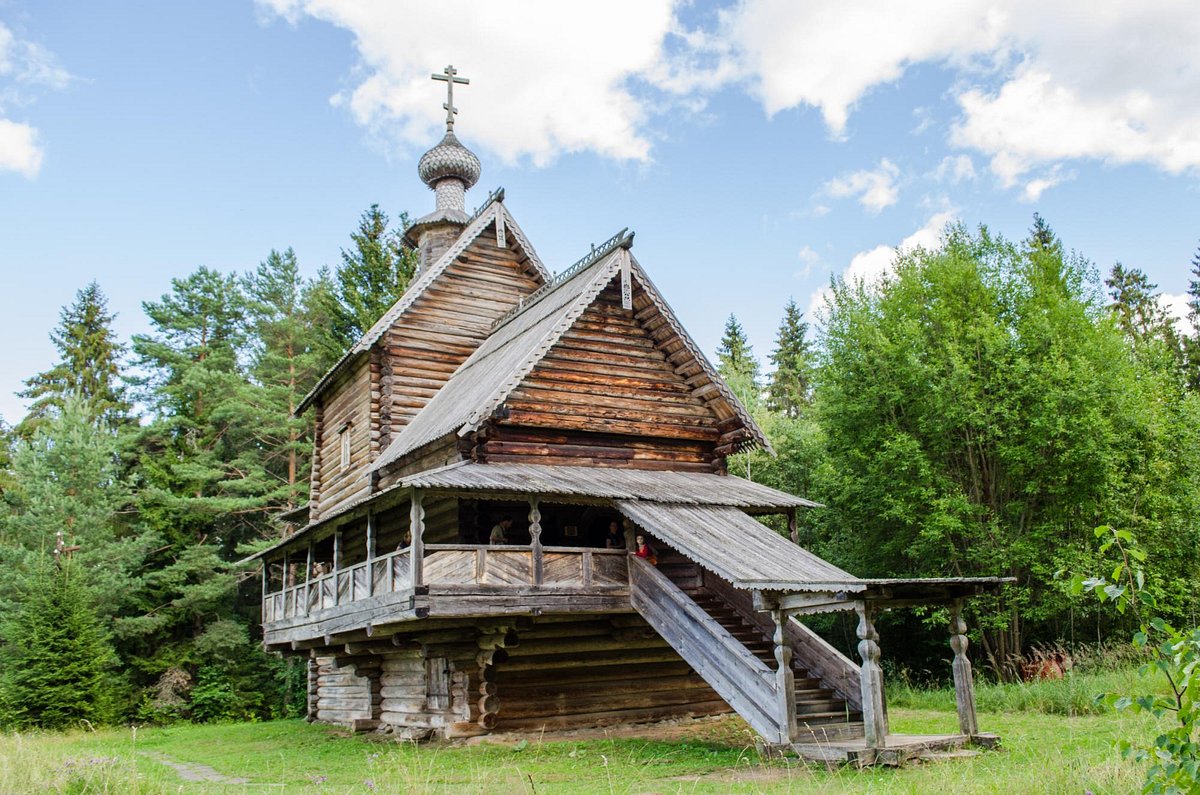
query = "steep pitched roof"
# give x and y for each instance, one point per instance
(492, 212)
(522, 338)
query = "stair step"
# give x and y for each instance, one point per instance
(824, 707)
(822, 718)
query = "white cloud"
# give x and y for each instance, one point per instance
(1034, 188)
(955, 169)
(809, 259)
(547, 77)
(1178, 310)
(1037, 84)
(25, 67)
(19, 150)
(875, 190)
(868, 266)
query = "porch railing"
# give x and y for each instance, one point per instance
(452, 565)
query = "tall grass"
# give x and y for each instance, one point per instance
(1094, 672)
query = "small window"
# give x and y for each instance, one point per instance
(344, 436)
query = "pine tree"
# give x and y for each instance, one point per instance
(285, 363)
(207, 482)
(89, 363)
(791, 381)
(372, 276)
(55, 655)
(737, 364)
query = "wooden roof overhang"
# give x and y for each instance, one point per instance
(887, 593)
(582, 485)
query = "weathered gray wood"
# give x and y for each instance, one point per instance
(785, 679)
(964, 682)
(416, 525)
(737, 675)
(874, 721)
(535, 534)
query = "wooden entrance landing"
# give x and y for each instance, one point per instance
(900, 748)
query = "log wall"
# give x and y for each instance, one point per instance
(610, 393)
(446, 324)
(347, 405)
(547, 672)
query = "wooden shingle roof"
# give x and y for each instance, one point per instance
(738, 547)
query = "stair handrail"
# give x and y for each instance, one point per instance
(745, 682)
(835, 670)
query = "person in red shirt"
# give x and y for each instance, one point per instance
(645, 551)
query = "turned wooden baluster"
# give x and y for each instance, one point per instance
(416, 549)
(535, 538)
(871, 678)
(964, 683)
(785, 679)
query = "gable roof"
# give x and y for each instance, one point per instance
(493, 211)
(523, 337)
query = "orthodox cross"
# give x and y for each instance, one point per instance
(449, 77)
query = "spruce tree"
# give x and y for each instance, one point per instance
(791, 381)
(55, 655)
(67, 478)
(372, 275)
(737, 364)
(1144, 321)
(89, 363)
(1191, 342)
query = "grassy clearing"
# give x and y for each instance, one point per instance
(1049, 746)
(1043, 753)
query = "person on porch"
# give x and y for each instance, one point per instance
(499, 534)
(614, 539)
(645, 551)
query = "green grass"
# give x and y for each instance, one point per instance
(1073, 695)
(1042, 753)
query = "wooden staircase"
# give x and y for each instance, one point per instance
(821, 713)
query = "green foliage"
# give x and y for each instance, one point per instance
(89, 364)
(372, 275)
(55, 657)
(1174, 756)
(737, 364)
(981, 415)
(791, 382)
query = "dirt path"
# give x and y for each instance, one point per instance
(193, 771)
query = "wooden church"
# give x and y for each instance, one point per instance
(486, 457)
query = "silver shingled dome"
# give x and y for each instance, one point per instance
(449, 159)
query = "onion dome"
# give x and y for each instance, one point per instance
(449, 160)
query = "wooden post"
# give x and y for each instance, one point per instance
(793, 530)
(370, 552)
(785, 680)
(308, 571)
(337, 565)
(871, 678)
(287, 571)
(416, 519)
(265, 588)
(535, 536)
(964, 683)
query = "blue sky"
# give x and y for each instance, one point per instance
(757, 148)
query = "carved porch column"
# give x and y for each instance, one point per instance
(416, 550)
(964, 682)
(871, 678)
(535, 538)
(785, 679)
